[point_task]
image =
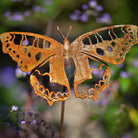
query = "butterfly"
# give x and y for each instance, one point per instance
(53, 64)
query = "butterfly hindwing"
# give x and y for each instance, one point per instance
(49, 80)
(91, 76)
(109, 44)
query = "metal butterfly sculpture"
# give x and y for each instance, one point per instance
(52, 63)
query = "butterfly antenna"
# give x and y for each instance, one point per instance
(69, 31)
(60, 32)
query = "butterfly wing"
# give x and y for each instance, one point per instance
(88, 68)
(28, 49)
(50, 81)
(108, 44)
(31, 52)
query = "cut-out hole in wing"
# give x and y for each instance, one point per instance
(105, 34)
(93, 39)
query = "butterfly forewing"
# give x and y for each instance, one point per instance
(109, 44)
(28, 49)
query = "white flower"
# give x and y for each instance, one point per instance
(14, 108)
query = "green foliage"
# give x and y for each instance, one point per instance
(121, 11)
(7, 97)
(41, 107)
(116, 119)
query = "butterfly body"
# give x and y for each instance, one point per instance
(53, 64)
(67, 49)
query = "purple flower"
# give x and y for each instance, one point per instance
(47, 131)
(7, 13)
(84, 17)
(16, 17)
(99, 8)
(23, 122)
(106, 18)
(8, 76)
(34, 121)
(77, 12)
(74, 17)
(30, 114)
(126, 136)
(7, 124)
(135, 63)
(92, 3)
(84, 7)
(36, 8)
(19, 73)
(125, 74)
(14, 108)
(26, 13)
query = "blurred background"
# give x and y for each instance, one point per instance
(23, 114)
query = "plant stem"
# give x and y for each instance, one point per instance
(49, 28)
(62, 119)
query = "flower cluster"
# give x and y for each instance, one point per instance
(91, 9)
(24, 120)
(18, 16)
